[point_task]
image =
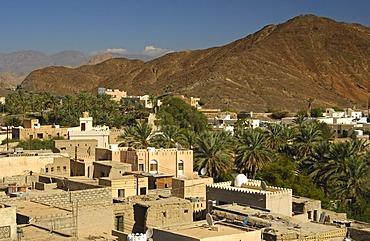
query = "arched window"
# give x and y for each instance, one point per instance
(180, 167)
(153, 165)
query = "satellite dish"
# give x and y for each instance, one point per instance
(203, 171)
(263, 186)
(209, 220)
(149, 233)
(178, 147)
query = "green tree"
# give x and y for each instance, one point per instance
(275, 136)
(168, 136)
(252, 153)
(175, 111)
(308, 136)
(138, 136)
(187, 138)
(212, 151)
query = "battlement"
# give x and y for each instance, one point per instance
(251, 187)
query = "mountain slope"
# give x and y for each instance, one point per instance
(279, 67)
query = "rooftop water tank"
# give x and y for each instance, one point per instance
(240, 179)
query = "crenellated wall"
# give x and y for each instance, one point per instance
(275, 199)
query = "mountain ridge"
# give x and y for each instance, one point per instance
(280, 66)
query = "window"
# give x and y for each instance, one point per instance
(63, 148)
(64, 168)
(40, 135)
(180, 167)
(186, 211)
(153, 166)
(121, 192)
(52, 169)
(119, 223)
(58, 168)
(142, 190)
(141, 167)
(83, 126)
(47, 170)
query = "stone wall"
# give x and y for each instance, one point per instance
(21, 179)
(275, 199)
(83, 197)
(67, 185)
(63, 223)
(8, 224)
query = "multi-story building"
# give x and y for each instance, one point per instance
(170, 161)
(115, 94)
(276, 199)
(167, 161)
(86, 131)
(33, 130)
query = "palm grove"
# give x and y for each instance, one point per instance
(299, 157)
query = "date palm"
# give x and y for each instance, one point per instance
(308, 136)
(212, 151)
(252, 153)
(138, 136)
(274, 135)
(187, 138)
(168, 136)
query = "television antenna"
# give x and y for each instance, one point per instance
(149, 233)
(203, 171)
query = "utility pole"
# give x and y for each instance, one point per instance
(75, 153)
(137, 184)
(7, 137)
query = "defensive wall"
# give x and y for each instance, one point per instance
(275, 199)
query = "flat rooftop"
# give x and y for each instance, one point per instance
(284, 224)
(160, 201)
(201, 230)
(114, 164)
(32, 233)
(32, 209)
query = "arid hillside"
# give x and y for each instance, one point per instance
(279, 67)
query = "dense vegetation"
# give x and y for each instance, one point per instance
(299, 157)
(66, 111)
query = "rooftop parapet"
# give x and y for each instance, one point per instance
(252, 186)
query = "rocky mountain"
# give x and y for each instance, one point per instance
(279, 67)
(69, 58)
(15, 66)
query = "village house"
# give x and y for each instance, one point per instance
(86, 131)
(32, 129)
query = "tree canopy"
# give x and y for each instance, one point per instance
(175, 111)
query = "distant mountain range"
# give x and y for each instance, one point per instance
(279, 67)
(15, 66)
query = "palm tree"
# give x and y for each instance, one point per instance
(212, 152)
(187, 138)
(334, 166)
(252, 152)
(299, 120)
(168, 136)
(308, 136)
(138, 136)
(354, 183)
(274, 135)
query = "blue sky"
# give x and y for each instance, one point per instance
(152, 26)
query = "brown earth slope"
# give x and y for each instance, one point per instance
(279, 67)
